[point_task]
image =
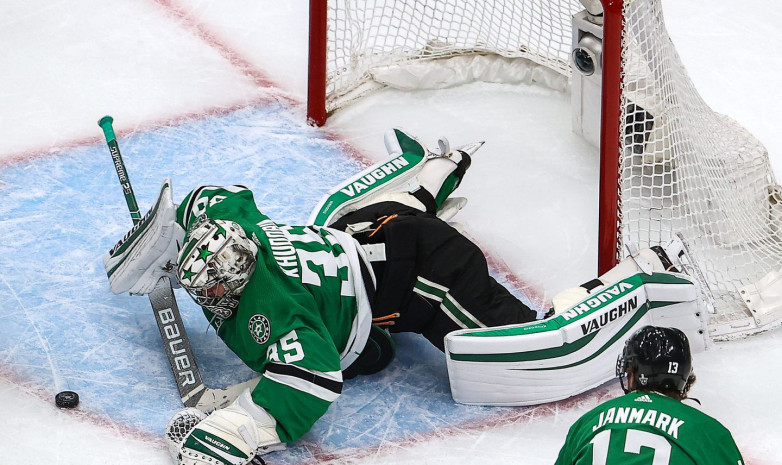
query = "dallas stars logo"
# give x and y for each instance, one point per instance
(260, 329)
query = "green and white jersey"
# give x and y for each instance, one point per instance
(646, 428)
(303, 316)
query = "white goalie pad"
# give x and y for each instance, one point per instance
(148, 251)
(390, 179)
(575, 351)
(397, 173)
(644, 260)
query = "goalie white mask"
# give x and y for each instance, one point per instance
(215, 264)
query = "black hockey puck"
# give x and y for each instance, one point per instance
(66, 399)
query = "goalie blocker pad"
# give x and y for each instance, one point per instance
(148, 251)
(550, 360)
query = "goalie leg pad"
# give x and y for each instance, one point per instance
(408, 158)
(645, 260)
(397, 173)
(572, 352)
(148, 251)
(405, 198)
(442, 174)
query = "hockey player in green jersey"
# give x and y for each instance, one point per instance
(650, 424)
(297, 303)
(309, 306)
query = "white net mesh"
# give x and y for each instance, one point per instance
(368, 35)
(687, 169)
(682, 167)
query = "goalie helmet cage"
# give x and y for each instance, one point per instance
(669, 164)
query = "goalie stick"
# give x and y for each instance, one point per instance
(191, 387)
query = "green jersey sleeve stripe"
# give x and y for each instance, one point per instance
(324, 385)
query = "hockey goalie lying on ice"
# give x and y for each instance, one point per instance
(309, 306)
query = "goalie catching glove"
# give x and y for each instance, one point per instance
(148, 252)
(235, 435)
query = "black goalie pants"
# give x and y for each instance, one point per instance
(431, 279)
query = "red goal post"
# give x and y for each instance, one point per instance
(669, 165)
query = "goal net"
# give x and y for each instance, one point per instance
(669, 164)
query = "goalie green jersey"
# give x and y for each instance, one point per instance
(304, 314)
(646, 428)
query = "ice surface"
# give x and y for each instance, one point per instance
(213, 92)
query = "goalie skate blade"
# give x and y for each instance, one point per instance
(66, 400)
(471, 148)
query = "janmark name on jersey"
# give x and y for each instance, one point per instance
(282, 249)
(375, 175)
(662, 421)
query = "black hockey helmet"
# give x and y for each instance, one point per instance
(659, 359)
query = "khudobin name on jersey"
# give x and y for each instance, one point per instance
(303, 315)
